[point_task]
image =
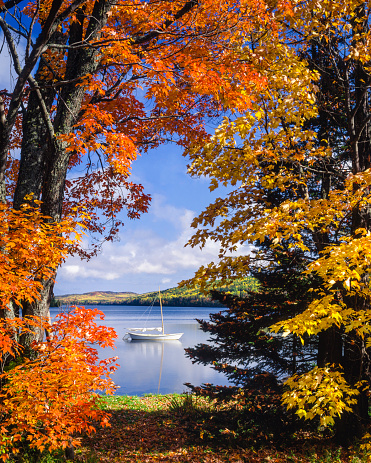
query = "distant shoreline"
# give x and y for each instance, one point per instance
(120, 304)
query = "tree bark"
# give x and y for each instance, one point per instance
(44, 160)
(355, 359)
(330, 345)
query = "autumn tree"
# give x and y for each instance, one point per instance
(46, 402)
(307, 134)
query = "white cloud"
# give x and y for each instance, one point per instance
(80, 271)
(180, 218)
(71, 270)
(147, 253)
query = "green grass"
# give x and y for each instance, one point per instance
(147, 403)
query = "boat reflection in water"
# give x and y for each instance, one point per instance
(154, 351)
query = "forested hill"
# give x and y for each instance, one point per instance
(172, 297)
(95, 297)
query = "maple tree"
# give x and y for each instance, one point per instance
(307, 134)
(47, 400)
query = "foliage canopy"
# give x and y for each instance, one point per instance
(95, 84)
(305, 140)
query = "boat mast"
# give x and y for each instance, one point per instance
(162, 317)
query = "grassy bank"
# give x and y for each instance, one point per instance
(176, 428)
(180, 429)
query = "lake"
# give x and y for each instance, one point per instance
(157, 367)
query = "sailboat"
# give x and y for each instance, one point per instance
(145, 334)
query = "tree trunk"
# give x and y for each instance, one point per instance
(352, 424)
(39, 308)
(330, 345)
(44, 159)
(355, 360)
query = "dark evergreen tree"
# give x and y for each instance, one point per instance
(241, 345)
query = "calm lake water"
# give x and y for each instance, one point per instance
(157, 367)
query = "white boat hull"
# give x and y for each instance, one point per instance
(143, 336)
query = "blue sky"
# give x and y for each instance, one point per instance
(150, 252)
